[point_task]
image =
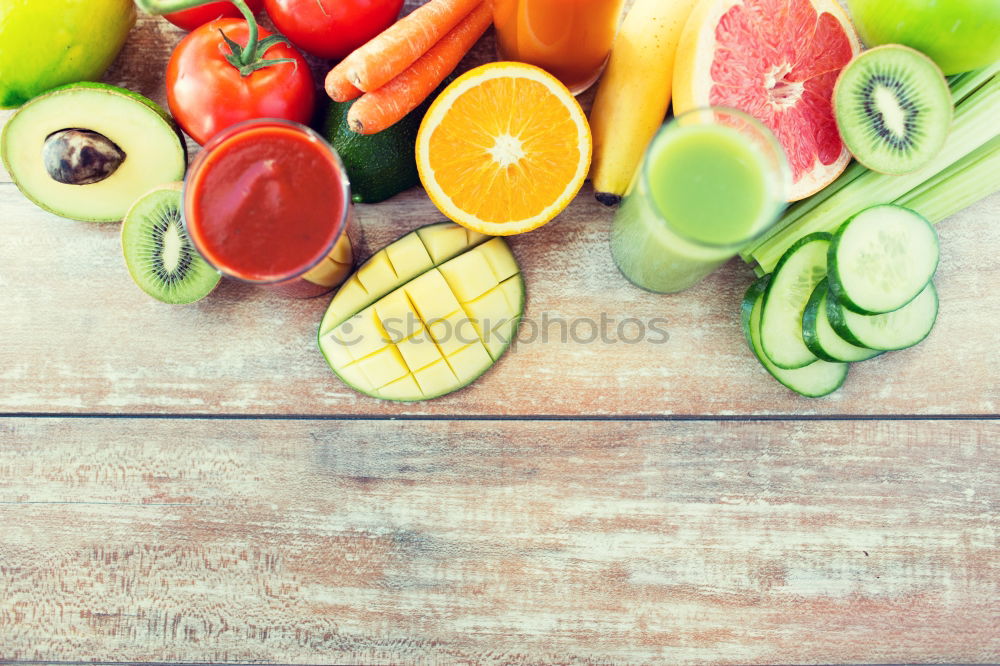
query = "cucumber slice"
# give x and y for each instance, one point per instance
(794, 279)
(812, 381)
(882, 258)
(899, 329)
(820, 337)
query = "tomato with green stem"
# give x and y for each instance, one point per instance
(230, 70)
(189, 19)
(332, 28)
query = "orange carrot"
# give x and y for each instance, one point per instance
(386, 56)
(378, 110)
(338, 87)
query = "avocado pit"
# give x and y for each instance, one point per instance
(80, 156)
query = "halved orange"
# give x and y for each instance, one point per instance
(503, 149)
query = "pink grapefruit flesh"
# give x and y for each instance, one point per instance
(778, 60)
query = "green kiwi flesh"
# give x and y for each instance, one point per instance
(893, 109)
(158, 253)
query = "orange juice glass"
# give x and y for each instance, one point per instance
(571, 39)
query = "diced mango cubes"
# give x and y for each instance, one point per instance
(350, 298)
(444, 241)
(431, 296)
(419, 350)
(513, 289)
(475, 238)
(470, 362)
(333, 347)
(426, 315)
(396, 316)
(377, 272)
(453, 332)
(501, 337)
(401, 389)
(353, 375)
(395, 265)
(468, 275)
(362, 334)
(436, 379)
(500, 259)
(408, 256)
(489, 311)
(384, 366)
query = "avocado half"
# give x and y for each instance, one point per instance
(129, 146)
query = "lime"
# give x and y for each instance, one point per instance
(46, 44)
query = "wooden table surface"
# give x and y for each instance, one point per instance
(193, 484)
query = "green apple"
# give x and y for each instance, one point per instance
(958, 35)
(46, 43)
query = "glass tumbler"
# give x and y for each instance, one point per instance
(711, 181)
(268, 202)
(571, 39)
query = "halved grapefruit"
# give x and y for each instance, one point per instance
(778, 60)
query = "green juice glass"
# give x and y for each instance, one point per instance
(712, 180)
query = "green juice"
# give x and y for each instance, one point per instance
(702, 192)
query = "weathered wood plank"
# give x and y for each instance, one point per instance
(79, 337)
(306, 541)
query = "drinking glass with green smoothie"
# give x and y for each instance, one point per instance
(712, 180)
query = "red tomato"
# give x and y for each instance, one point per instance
(189, 19)
(332, 28)
(207, 94)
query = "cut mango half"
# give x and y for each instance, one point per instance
(395, 265)
(425, 316)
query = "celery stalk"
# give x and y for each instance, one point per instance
(963, 85)
(967, 162)
(977, 179)
(974, 126)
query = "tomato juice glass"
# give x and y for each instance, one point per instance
(268, 202)
(570, 39)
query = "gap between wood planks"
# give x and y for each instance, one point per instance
(49, 662)
(741, 418)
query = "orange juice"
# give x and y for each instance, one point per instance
(571, 39)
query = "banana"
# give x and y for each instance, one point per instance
(634, 93)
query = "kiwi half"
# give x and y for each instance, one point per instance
(158, 252)
(893, 109)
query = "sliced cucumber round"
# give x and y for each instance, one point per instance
(820, 337)
(899, 329)
(795, 277)
(812, 381)
(882, 258)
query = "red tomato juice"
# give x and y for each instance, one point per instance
(267, 202)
